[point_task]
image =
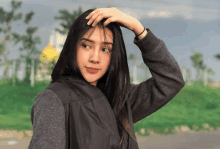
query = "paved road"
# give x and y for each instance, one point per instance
(198, 140)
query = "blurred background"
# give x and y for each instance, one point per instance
(32, 33)
(189, 28)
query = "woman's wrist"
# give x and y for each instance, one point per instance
(138, 30)
(142, 35)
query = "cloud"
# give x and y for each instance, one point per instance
(168, 11)
(130, 12)
(159, 13)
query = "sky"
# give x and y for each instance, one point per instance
(185, 26)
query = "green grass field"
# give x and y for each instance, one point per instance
(192, 105)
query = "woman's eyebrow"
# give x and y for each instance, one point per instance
(94, 41)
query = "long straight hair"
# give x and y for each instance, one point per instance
(115, 83)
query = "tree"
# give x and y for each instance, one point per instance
(198, 64)
(210, 72)
(29, 43)
(202, 69)
(197, 59)
(50, 66)
(217, 56)
(67, 18)
(7, 18)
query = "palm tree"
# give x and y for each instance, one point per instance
(217, 56)
(198, 64)
(196, 58)
(212, 73)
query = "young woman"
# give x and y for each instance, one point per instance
(90, 103)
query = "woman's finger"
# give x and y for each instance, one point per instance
(109, 20)
(97, 19)
(91, 13)
(93, 17)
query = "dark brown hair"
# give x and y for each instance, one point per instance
(115, 83)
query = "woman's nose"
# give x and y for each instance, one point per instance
(95, 56)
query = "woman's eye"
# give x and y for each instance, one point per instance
(108, 49)
(84, 45)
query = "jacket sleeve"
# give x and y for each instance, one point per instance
(166, 81)
(48, 119)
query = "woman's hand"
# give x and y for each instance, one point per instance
(113, 15)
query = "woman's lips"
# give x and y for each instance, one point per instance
(91, 70)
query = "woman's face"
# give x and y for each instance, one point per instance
(94, 53)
